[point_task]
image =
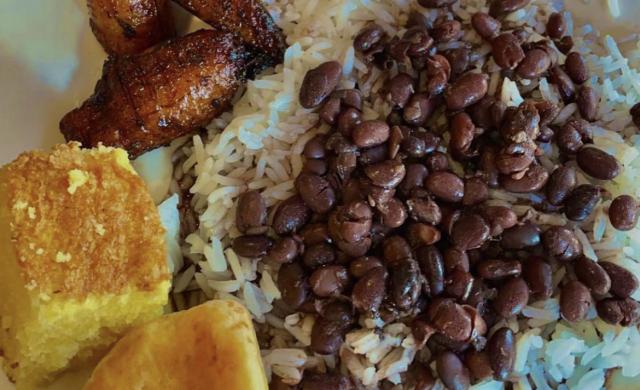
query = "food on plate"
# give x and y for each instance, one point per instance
(130, 26)
(83, 258)
(248, 18)
(147, 100)
(211, 346)
(448, 200)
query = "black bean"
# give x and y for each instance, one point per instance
(499, 218)
(368, 37)
(436, 161)
(565, 86)
(626, 311)
(500, 7)
(514, 158)
(418, 109)
(369, 291)
(479, 364)
(623, 212)
(424, 210)
(284, 250)
(349, 97)
(420, 234)
(485, 25)
(470, 232)
(327, 336)
(597, 163)
(587, 100)
(405, 283)
(502, 352)
(393, 213)
(251, 214)
(315, 233)
(506, 51)
(560, 184)
(356, 248)
(318, 83)
(291, 215)
(395, 249)
(495, 269)
(609, 310)
(521, 124)
(452, 371)
(561, 243)
(458, 284)
(521, 236)
(635, 114)
(419, 39)
(373, 155)
(370, 133)
(351, 222)
(360, 266)
(592, 275)
(581, 202)
(414, 178)
(535, 177)
(445, 31)
(318, 255)
(576, 68)
(347, 120)
(292, 283)
(330, 110)
(575, 300)
(436, 3)
(316, 192)
(475, 191)
(462, 131)
(450, 319)
(623, 282)
(251, 246)
(459, 59)
(538, 275)
(445, 186)
(399, 89)
(556, 26)
(314, 148)
(455, 258)
(548, 111)
(388, 173)
(466, 90)
(534, 64)
(564, 44)
(512, 298)
(329, 280)
(432, 267)
(569, 137)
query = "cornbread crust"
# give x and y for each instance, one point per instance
(113, 198)
(211, 346)
(80, 267)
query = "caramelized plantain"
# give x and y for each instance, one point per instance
(130, 26)
(147, 100)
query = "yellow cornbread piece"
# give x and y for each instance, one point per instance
(212, 346)
(82, 259)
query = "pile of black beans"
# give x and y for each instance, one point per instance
(382, 228)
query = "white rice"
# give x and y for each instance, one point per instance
(258, 146)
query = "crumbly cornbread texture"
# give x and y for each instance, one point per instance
(212, 346)
(83, 258)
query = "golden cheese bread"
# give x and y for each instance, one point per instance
(83, 258)
(212, 346)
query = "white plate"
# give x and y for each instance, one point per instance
(50, 61)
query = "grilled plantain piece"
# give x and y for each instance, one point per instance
(247, 18)
(147, 100)
(130, 26)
